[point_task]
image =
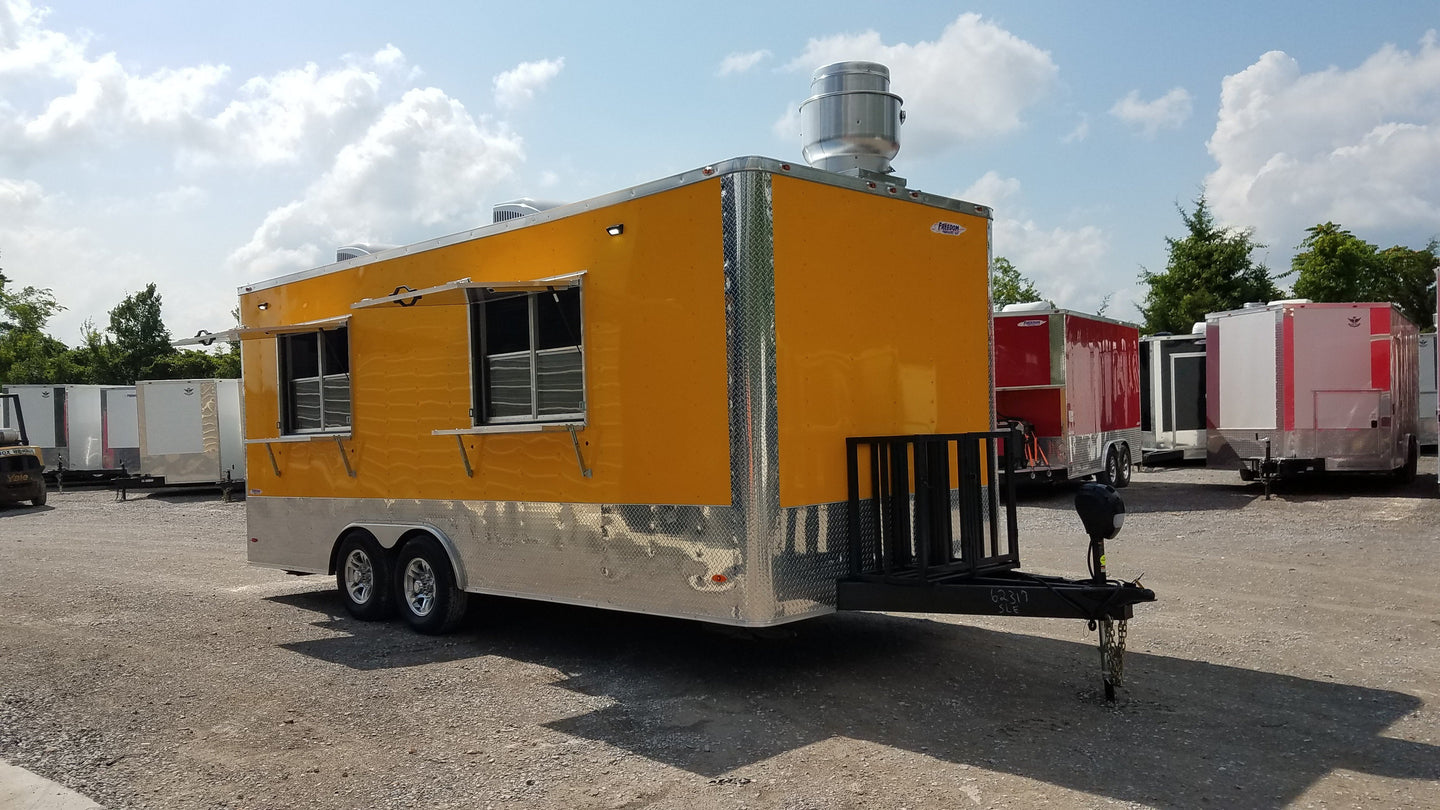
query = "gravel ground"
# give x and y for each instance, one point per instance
(1291, 661)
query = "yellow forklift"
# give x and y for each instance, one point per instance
(21, 468)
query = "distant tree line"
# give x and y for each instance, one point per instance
(135, 345)
(1213, 269)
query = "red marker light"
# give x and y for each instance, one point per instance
(719, 579)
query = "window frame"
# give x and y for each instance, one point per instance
(286, 381)
(480, 399)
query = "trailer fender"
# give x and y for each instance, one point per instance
(391, 535)
(1126, 457)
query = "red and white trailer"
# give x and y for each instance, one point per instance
(1296, 387)
(1071, 383)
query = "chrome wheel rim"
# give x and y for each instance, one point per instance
(359, 577)
(420, 587)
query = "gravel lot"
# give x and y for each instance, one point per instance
(1291, 661)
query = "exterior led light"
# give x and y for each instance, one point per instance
(615, 230)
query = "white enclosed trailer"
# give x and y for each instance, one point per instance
(1297, 387)
(1172, 383)
(192, 431)
(1429, 428)
(85, 429)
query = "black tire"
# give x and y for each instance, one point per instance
(39, 500)
(1111, 473)
(1125, 469)
(364, 575)
(425, 590)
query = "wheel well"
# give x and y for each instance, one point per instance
(457, 569)
(340, 541)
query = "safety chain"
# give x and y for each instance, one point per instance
(1112, 650)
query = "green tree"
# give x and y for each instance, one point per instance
(1008, 286)
(140, 334)
(27, 354)
(1336, 265)
(1209, 270)
(1411, 276)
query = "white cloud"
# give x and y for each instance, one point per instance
(971, 83)
(343, 153)
(1360, 147)
(1166, 112)
(298, 113)
(1079, 133)
(269, 119)
(518, 85)
(741, 62)
(1070, 266)
(424, 162)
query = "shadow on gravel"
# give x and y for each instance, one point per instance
(1148, 496)
(1337, 486)
(1194, 496)
(8, 509)
(366, 645)
(1184, 734)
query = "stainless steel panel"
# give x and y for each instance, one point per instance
(230, 411)
(1365, 450)
(84, 428)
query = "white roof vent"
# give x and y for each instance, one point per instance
(1198, 328)
(1027, 306)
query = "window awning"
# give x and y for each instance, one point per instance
(257, 332)
(464, 291)
(206, 338)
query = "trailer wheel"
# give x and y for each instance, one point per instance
(1111, 474)
(1125, 468)
(364, 576)
(425, 588)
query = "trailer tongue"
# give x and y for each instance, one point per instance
(912, 551)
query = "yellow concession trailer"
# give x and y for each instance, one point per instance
(638, 402)
(748, 394)
(740, 395)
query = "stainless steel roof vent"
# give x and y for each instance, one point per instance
(851, 122)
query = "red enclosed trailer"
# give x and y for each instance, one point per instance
(1071, 383)
(1299, 387)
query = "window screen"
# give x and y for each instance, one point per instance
(315, 381)
(530, 365)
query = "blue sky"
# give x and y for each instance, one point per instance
(203, 146)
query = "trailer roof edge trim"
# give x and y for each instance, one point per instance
(465, 285)
(1276, 306)
(752, 163)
